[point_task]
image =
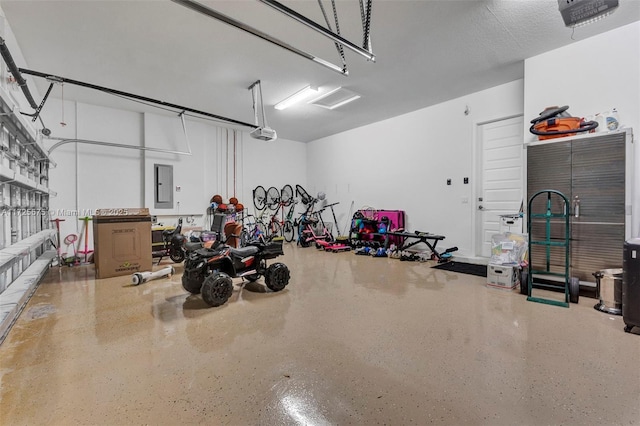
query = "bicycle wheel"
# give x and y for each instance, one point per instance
(274, 230)
(259, 197)
(288, 231)
(286, 195)
(304, 195)
(273, 198)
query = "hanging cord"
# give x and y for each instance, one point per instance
(335, 17)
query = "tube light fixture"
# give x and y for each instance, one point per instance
(301, 95)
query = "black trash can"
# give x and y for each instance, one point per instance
(631, 284)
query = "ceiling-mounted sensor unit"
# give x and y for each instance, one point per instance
(576, 13)
(264, 134)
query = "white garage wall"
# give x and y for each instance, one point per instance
(62, 176)
(276, 163)
(163, 132)
(591, 76)
(108, 177)
(403, 164)
(88, 177)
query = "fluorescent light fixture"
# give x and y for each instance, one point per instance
(335, 98)
(297, 97)
(576, 13)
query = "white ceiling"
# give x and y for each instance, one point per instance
(426, 52)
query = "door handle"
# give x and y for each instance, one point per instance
(576, 206)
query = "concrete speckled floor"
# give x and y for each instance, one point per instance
(351, 340)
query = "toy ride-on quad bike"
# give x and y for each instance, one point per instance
(209, 271)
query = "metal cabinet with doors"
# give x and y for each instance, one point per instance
(592, 172)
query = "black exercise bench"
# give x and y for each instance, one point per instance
(431, 240)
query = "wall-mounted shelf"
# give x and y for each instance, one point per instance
(25, 228)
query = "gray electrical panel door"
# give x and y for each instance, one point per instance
(590, 172)
(163, 186)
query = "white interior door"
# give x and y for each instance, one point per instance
(500, 174)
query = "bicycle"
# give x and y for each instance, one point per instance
(252, 229)
(259, 198)
(289, 225)
(313, 229)
(269, 198)
(272, 199)
(283, 226)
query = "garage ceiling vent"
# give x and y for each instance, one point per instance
(335, 98)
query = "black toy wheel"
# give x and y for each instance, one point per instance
(177, 255)
(524, 282)
(574, 289)
(252, 277)
(216, 289)
(193, 286)
(273, 198)
(303, 240)
(286, 195)
(628, 328)
(259, 197)
(277, 276)
(288, 231)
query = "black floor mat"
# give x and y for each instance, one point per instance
(463, 268)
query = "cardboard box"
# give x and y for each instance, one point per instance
(122, 243)
(503, 276)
